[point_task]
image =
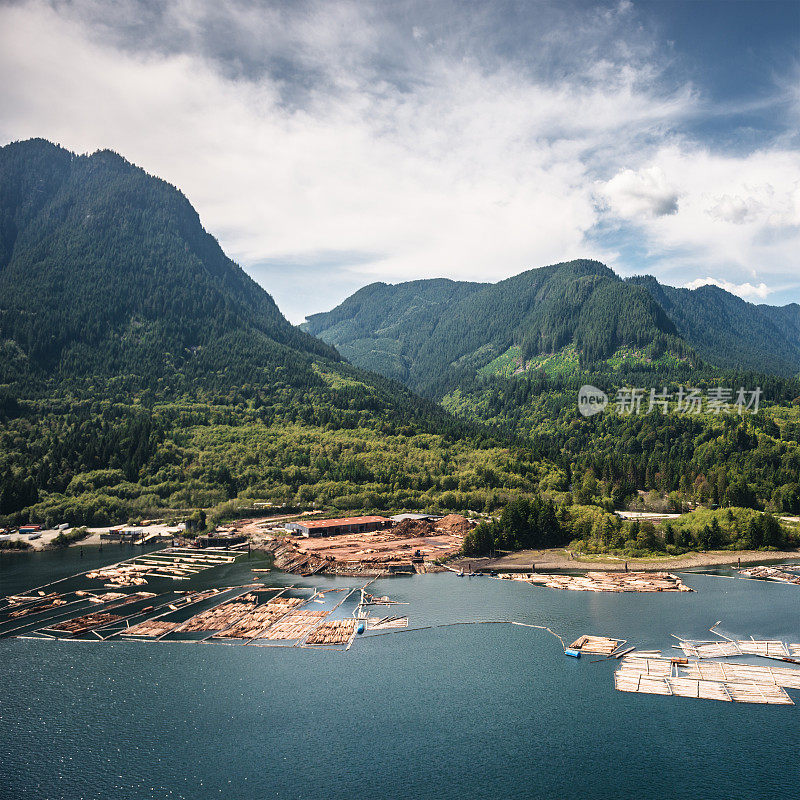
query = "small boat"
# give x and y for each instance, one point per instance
(571, 652)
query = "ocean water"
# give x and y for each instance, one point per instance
(473, 711)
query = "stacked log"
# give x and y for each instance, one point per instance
(256, 622)
(605, 581)
(338, 631)
(295, 625)
(85, 623)
(216, 618)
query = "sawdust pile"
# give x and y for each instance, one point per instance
(454, 525)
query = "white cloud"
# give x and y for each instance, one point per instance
(744, 290)
(737, 210)
(641, 193)
(738, 215)
(394, 147)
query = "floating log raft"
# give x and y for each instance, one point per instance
(598, 645)
(773, 648)
(339, 631)
(630, 680)
(753, 673)
(763, 647)
(254, 623)
(605, 581)
(217, 618)
(386, 623)
(647, 666)
(44, 603)
(86, 623)
(177, 563)
(294, 625)
(151, 629)
(710, 649)
(782, 575)
(120, 575)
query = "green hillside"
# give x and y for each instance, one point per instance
(461, 328)
(143, 372)
(383, 327)
(106, 270)
(730, 332)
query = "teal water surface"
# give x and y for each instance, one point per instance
(477, 711)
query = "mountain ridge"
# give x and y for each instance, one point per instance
(581, 304)
(95, 254)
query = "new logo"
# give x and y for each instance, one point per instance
(591, 400)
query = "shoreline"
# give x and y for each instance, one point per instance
(559, 559)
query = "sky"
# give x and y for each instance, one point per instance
(330, 144)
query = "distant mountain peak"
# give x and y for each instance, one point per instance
(104, 269)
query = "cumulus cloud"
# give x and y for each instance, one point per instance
(641, 193)
(737, 210)
(744, 290)
(738, 214)
(395, 141)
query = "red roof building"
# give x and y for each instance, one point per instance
(332, 527)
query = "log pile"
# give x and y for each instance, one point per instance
(771, 573)
(253, 624)
(598, 645)
(295, 625)
(338, 631)
(85, 623)
(151, 628)
(217, 618)
(605, 581)
(290, 559)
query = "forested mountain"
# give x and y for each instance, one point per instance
(106, 270)
(730, 332)
(460, 328)
(438, 335)
(380, 327)
(141, 370)
(143, 374)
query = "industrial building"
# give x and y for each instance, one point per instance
(332, 527)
